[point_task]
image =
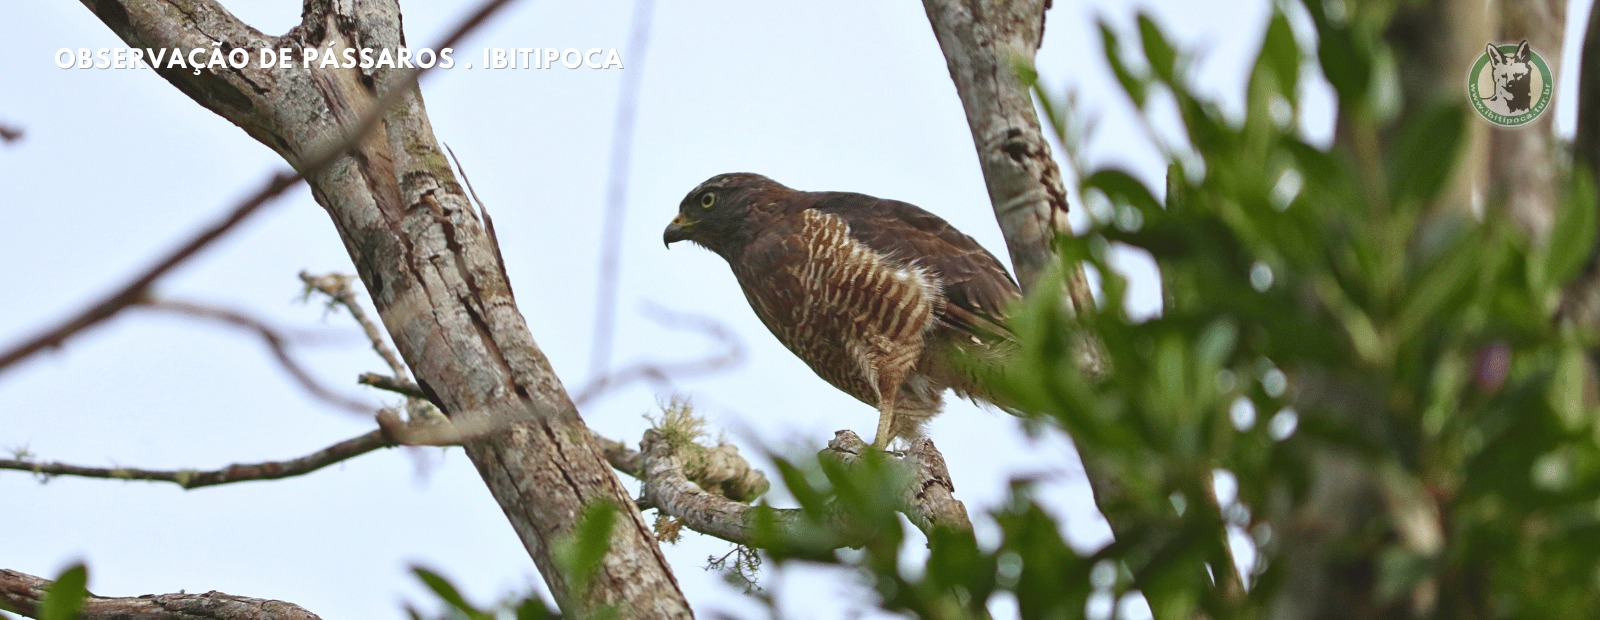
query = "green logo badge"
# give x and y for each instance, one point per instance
(1510, 85)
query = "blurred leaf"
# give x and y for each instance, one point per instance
(1281, 54)
(1163, 60)
(1122, 188)
(533, 608)
(63, 599)
(582, 550)
(448, 593)
(1426, 154)
(1133, 86)
(1347, 69)
(1572, 237)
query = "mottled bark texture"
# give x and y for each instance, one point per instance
(23, 593)
(984, 43)
(433, 273)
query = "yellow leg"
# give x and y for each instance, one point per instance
(885, 423)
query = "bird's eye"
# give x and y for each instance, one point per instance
(706, 200)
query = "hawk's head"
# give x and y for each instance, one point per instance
(723, 214)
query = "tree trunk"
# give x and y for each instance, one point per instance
(431, 267)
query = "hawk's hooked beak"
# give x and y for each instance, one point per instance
(678, 230)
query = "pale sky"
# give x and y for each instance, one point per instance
(117, 166)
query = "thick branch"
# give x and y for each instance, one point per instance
(194, 479)
(984, 44)
(926, 499)
(927, 494)
(667, 489)
(23, 593)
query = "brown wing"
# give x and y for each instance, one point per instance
(976, 285)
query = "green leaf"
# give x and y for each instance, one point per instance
(63, 600)
(581, 551)
(1347, 69)
(1163, 59)
(1134, 86)
(1216, 343)
(1123, 188)
(448, 593)
(1426, 154)
(1281, 54)
(1572, 238)
(533, 608)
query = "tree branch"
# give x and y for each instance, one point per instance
(337, 287)
(926, 498)
(194, 479)
(10, 134)
(274, 342)
(136, 290)
(983, 45)
(23, 593)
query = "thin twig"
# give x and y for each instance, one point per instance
(605, 311)
(337, 287)
(272, 339)
(391, 384)
(194, 479)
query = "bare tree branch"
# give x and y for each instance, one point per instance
(661, 373)
(983, 46)
(926, 499)
(391, 384)
(136, 290)
(337, 287)
(10, 134)
(194, 479)
(605, 310)
(162, 30)
(23, 593)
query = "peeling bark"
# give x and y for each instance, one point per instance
(434, 275)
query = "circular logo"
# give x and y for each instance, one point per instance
(1510, 85)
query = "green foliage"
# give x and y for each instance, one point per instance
(64, 598)
(581, 552)
(1380, 370)
(1332, 315)
(456, 607)
(1344, 293)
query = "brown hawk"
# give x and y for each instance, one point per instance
(881, 298)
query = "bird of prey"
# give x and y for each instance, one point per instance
(884, 300)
